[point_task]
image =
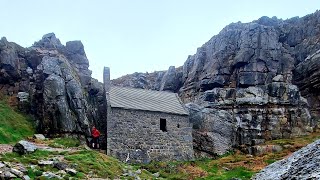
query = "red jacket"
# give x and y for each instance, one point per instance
(95, 133)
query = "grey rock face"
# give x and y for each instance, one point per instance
(303, 164)
(247, 70)
(213, 130)
(23, 147)
(307, 77)
(53, 82)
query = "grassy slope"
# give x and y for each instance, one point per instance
(14, 126)
(85, 161)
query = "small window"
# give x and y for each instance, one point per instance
(163, 125)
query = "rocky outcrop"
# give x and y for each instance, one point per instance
(303, 164)
(247, 70)
(52, 82)
(213, 130)
(169, 80)
(307, 76)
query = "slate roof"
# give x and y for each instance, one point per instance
(148, 100)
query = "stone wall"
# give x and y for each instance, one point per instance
(135, 136)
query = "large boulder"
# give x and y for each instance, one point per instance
(24, 147)
(303, 164)
(213, 130)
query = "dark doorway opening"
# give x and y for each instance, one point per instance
(163, 125)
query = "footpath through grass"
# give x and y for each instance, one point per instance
(14, 126)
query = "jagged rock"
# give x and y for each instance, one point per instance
(60, 165)
(171, 80)
(71, 171)
(26, 177)
(307, 76)
(138, 171)
(246, 70)
(16, 172)
(2, 165)
(303, 164)
(156, 175)
(54, 84)
(212, 129)
(21, 168)
(48, 41)
(43, 163)
(51, 175)
(8, 175)
(259, 150)
(39, 136)
(61, 172)
(23, 147)
(278, 78)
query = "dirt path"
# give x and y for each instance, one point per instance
(5, 148)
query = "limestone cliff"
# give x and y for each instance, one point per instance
(52, 82)
(247, 71)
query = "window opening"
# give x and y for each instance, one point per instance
(163, 125)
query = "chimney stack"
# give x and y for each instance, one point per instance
(106, 80)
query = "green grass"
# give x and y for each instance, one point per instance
(31, 158)
(14, 126)
(84, 161)
(65, 142)
(97, 163)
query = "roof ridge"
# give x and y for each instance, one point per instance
(140, 89)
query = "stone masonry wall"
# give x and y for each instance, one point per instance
(135, 136)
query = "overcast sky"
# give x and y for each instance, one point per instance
(136, 35)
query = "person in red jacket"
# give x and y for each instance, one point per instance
(95, 137)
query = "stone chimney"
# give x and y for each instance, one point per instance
(106, 81)
(107, 86)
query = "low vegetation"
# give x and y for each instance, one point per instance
(65, 142)
(84, 161)
(231, 165)
(14, 126)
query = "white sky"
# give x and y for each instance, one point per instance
(136, 35)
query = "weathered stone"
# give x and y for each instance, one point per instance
(156, 175)
(71, 171)
(2, 165)
(60, 165)
(212, 129)
(8, 175)
(303, 164)
(39, 136)
(43, 162)
(278, 78)
(26, 177)
(51, 175)
(259, 150)
(16, 172)
(23, 147)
